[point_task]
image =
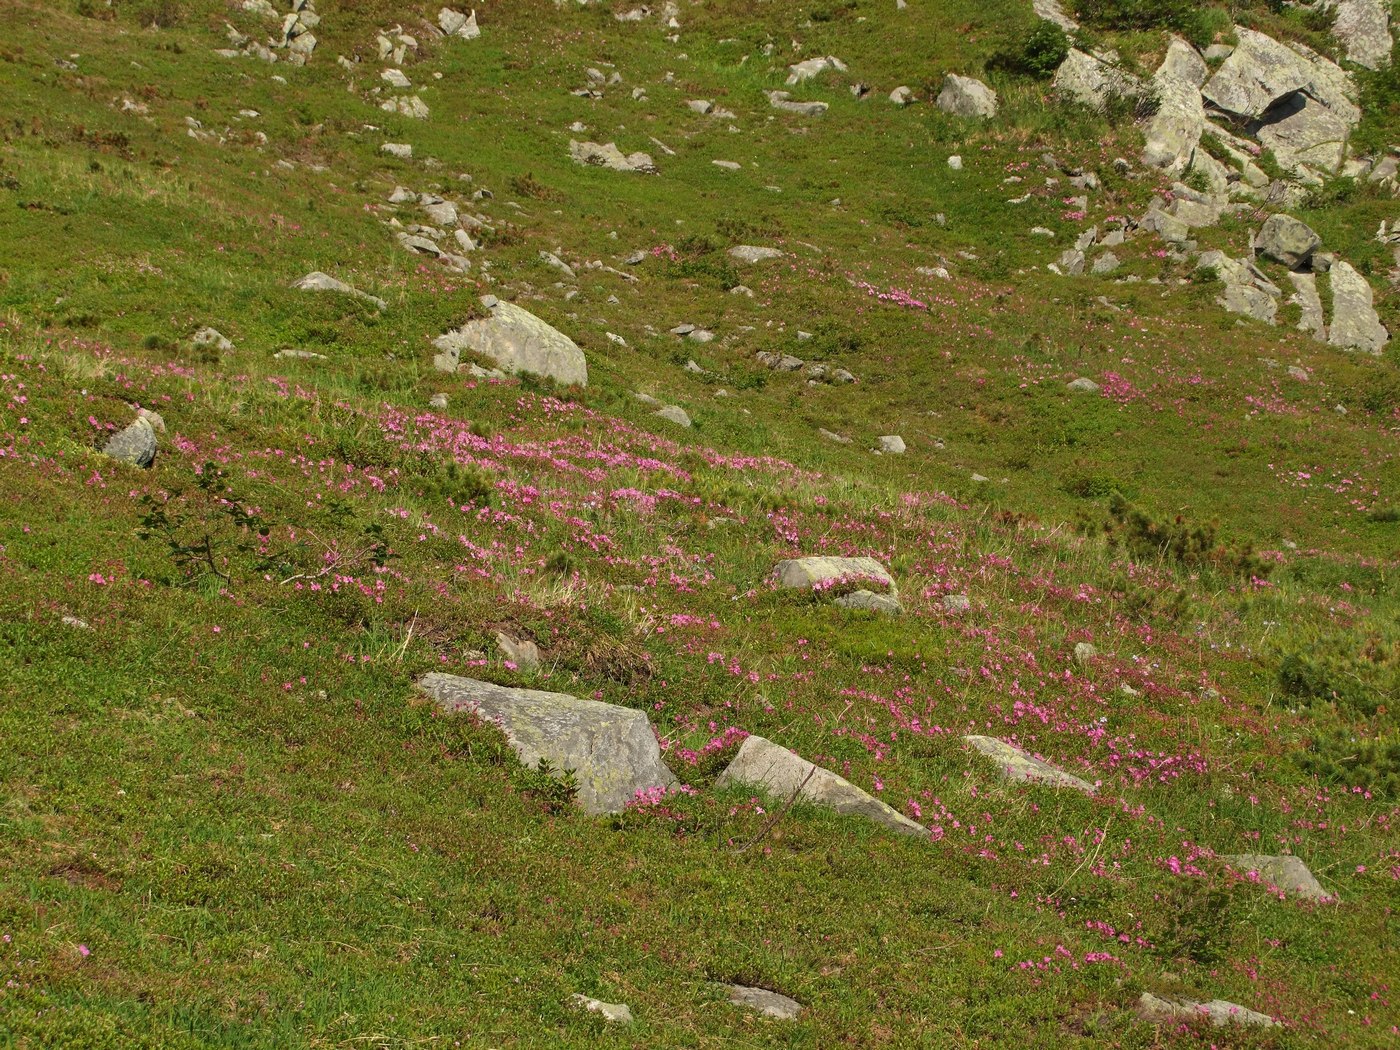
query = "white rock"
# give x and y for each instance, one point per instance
(967, 97)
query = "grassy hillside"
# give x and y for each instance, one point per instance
(228, 819)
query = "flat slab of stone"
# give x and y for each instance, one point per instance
(822, 572)
(1217, 1011)
(611, 750)
(316, 281)
(517, 341)
(752, 253)
(769, 1004)
(1018, 765)
(769, 767)
(1288, 873)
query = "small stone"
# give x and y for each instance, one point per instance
(955, 603)
(211, 338)
(871, 602)
(135, 445)
(438, 401)
(892, 443)
(522, 652)
(613, 1013)
(769, 1004)
(955, 162)
(1218, 1011)
(1287, 872)
(1017, 765)
(674, 414)
(1084, 652)
(1084, 385)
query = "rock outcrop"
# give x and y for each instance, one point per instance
(1174, 131)
(1363, 27)
(518, 342)
(611, 750)
(1355, 324)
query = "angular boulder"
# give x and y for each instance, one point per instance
(1017, 765)
(1309, 303)
(1085, 79)
(609, 156)
(813, 67)
(611, 750)
(135, 445)
(761, 1000)
(1174, 131)
(766, 766)
(967, 97)
(1355, 324)
(1288, 873)
(1217, 1011)
(454, 23)
(1363, 27)
(1287, 240)
(824, 573)
(518, 341)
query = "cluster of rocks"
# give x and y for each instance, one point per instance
(447, 236)
(294, 40)
(607, 155)
(815, 372)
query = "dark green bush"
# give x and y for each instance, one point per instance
(1362, 680)
(1193, 546)
(1200, 923)
(1339, 757)
(1038, 54)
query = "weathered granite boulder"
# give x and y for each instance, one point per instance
(1355, 324)
(765, 765)
(1288, 873)
(316, 281)
(769, 1004)
(1287, 240)
(454, 23)
(611, 750)
(613, 1013)
(752, 253)
(1309, 303)
(135, 445)
(967, 97)
(825, 573)
(607, 155)
(518, 341)
(1217, 1011)
(1016, 764)
(1174, 131)
(1088, 80)
(1363, 27)
(871, 602)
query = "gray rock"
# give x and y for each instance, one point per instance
(401, 150)
(674, 414)
(316, 281)
(870, 602)
(1310, 303)
(298, 355)
(1174, 130)
(821, 572)
(750, 254)
(395, 78)
(610, 157)
(767, 766)
(611, 750)
(813, 67)
(833, 436)
(700, 105)
(1288, 873)
(613, 1013)
(1355, 324)
(1017, 765)
(955, 162)
(1363, 27)
(1085, 79)
(454, 23)
(769, 1004)
(518, 342)
(1217, 1011)
(1287, 240)
(1249, 300)
(893, 444)
(727, 165)
(1084, 652)
(1052, 11)
(955, 604)
(438, 401)
(1071, 262)
(781, 100)
(135, 445)
(550, 259)
(902, 95)
(1218, 52)
(407, 105)
(1105, 263)
(1168, 227)
(211, 339)
(522, 652)
(967, 97)
(1084, 385)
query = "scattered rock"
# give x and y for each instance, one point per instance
(611, 750)
(522, 652)
(454, 23)
(1084, 652)
(871, 602)
(1355, 324)
(892, 443)
(518, 341)
(1174, 131)
(955, 604)
(1017, 765)
(727, 165)
(821, 573)
(902, 95)
(813, 67)
(1218, 1011)
(610, 157)
(955, 162)
(1084, 385)
(967, 97)
(613, 1013)
(1105, 263)
(211, 339)
(1288, 873)
(408, 105)
(401, 150)
(769, 1004)
(137, 443)
(1091, 82)
(767, 766)
(674, 414)
(316, 281)
(298, 355)
(438, 401)
(783, 101)
(1309, 303)
(395, 78)
(1287, 240)
(751, 254)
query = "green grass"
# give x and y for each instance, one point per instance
(227, 818)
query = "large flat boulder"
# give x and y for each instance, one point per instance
(611, 750)
(823, 573)
(1217, 1011)
(1355, 324)
(1085, 79)
(768, 767)
(1017, 765)
(518, 341)
(1288, 873)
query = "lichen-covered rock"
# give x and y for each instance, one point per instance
(871, 602)
(1217, 1011)
(1309, 304)
(769, 1004)
(765, 765)
(1085, 79)
(1287, 240)
(607, 155)
(613, 1013)
(135, 445)
(316, 281)
(1363, 27)
(752, 253)
(518, 341)
(824, 573)
(1355, 324)
(1174, 131)
(611, 750)
(967, 97)
(782, 100)
(1016, 764)
(1288, 873)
